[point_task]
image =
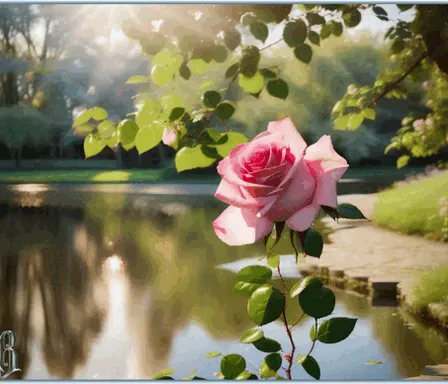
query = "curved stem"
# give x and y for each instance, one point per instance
(290, 358)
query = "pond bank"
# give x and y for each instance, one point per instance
(378, 263)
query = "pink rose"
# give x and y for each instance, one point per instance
(169, 136)
(275, 177)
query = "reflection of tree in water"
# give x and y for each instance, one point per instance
(50, 271)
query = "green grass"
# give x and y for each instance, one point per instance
(432, 287)
(103, 176)
(413, 208)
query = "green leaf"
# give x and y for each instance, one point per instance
(161, 74)
(197, 378)
(355, 121)
(98, 113)
(349, 211)
(267, 345)
(225, 110)
(273, 260)
(176, 113)
(304, 283)
(402, 161)
(84, 128)
(84, 117)
(249, 61)
(93, 144)
(373, 362)
(335, 330)
(280, 378)
(212, 354)
(247, 18)
(228, 141)
(232, 365)
(127, 130)
(148, 138)
(314, 38)
(341, 123)
(252, 84)
(148, 111)
(161, 374)
(106, 128)
(219, 53)
(315, 18)
(267, 73)
(198, 66)
(112, 141)
(326, 31)
(137, 79)
(254, 274)
(211, 99)
(313, 332)
(184, 71)
(270, 365)
(252, 335)
(191, 158)
(336, 28)
(295, 33)
(232, 39)
(232, 70)
(330, 211)
(397, 46)
(310, 365)
(351, 17)
(317, 302)
(265, 305)
(246, 375)
(278, 88)
(314, 243)
(210, 152)
(259, 30)
(379, 11)
(369, 113)
(304, 53)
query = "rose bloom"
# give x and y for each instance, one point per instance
(418, 124)
(276, 177)
(169, 136)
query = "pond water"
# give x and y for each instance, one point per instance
(118, 286)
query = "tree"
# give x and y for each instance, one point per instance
(237, 41)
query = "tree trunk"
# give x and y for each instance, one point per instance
(162, 155)
(10, 93)
(118, 157)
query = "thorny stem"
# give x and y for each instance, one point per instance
(288, 330)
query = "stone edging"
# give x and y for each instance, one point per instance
(381, 292)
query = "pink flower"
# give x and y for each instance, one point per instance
(418, 124)
(275, 177)
(169, 136)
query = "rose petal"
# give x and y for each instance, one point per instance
(326, 193)
(293, 138)
(240, 226)
(239, 197)
(295, 195)
(322, 158)
(304, 218)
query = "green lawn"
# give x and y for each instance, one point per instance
(413, 208)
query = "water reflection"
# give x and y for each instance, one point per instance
(125, 288)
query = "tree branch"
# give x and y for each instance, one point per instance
(390, 86)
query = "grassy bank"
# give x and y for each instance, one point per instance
(413, 208)
(432, 287)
